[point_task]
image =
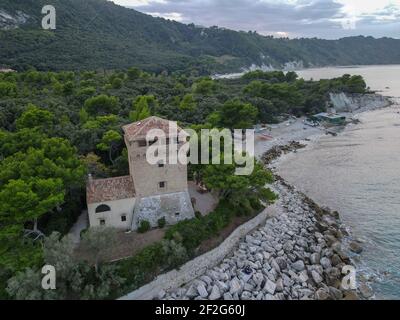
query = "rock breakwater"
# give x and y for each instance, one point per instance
(296, 255)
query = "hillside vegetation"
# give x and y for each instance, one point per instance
(97, 34)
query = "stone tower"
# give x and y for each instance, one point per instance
(161, 188)
(153, 179)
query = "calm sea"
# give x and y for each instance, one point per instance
(358, 174)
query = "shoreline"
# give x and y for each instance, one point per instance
(351, 240)
(314, 271)
(348, 244)
(297, 254)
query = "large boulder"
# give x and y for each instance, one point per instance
(355, 247)
(215, 293)
(201, 289)
(366, 290)
(316, 277)
(270, 287)
(298, 265)
(235, 286)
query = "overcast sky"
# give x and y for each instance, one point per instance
(328, 19)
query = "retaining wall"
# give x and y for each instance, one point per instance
(198, 266)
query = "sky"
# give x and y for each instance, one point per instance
(328, 19)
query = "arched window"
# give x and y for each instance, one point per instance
(102, 208)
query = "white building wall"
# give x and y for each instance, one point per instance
(113, 218)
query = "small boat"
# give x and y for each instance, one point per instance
(266, 136)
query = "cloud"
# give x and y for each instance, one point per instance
(168, 15)
(293, 18)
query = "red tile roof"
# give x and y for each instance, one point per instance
(140, 129)
(102, 190)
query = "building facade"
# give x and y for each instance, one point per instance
(151, 191)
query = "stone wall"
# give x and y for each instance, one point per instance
(147, 177)
(199, 265)
(173, 207)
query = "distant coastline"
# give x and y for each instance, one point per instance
(301, 70)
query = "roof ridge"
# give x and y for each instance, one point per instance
(136, 129)
(148, 121)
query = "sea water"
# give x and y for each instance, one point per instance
(358, 174)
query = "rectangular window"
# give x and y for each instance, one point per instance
(142, 143)
(123, 218)
(167, 141)
(102, 222)
(162, 184)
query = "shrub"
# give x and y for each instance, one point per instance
(194, 232)
(144, 226)
(175, 254)
(161, 222)
(82, 233)
(142, 267)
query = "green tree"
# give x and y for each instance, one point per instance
(35, 117)
(95, 166)
(117, 83)
(98, 243)
(101, 104)
(234, 114)
(205, 86)
(7, 89)
(68, 88)
(142, 108)
(56, 158)
(75, 279)
(134, 73)
(27, 285)
(235, 188)
(188, 103)
(291, 76)
(23, 201)
(109, 141)
(83, 116)
(21, 140)
(356, 84)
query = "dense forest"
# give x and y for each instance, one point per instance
(56, 127)
(97, 34)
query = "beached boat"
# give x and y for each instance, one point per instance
(265, 136)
